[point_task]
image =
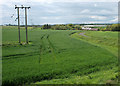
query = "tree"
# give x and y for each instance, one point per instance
(71, 25)
(113, 27)
(77, 27)
(46, 26)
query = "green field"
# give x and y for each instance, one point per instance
(59, 57)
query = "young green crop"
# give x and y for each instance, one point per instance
(35, 62)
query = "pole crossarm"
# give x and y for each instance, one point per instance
(22, 7)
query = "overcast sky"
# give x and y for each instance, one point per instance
(60, 11)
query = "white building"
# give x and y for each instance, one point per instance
(86, 28)
(94, 25)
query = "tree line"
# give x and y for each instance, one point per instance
(62, 27)
(113, 27)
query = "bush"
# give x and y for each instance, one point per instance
(104, 29)
(77, 27)
(113, 27)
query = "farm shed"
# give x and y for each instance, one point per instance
(94, 29)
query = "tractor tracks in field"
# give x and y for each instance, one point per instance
(14, 56)
(41, 48)
(50, 48)
(44, 47)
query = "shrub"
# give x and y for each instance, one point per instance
(77, 27)
(113, 27)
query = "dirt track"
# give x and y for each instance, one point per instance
(83, 34)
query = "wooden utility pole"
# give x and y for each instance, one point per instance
(18, 21)
(25, 21)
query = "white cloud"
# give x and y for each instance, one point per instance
(89, 22)
(115, 19)
(95, 5)
(105, 11)
(85, 11)
(98, 17)
(47, 18)
(44, 17)
(51, 23)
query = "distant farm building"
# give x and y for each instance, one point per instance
(92, 27)
(86, 28)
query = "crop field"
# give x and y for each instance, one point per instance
(59, 57)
